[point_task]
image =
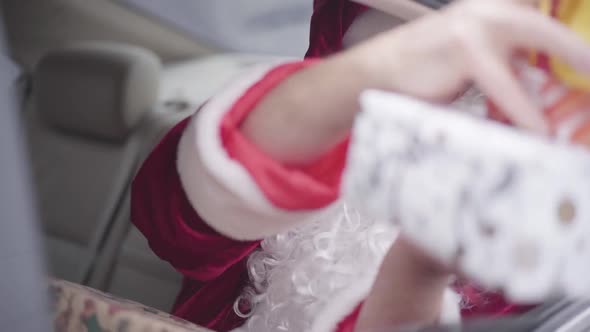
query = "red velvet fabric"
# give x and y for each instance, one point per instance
(213, 265)
(488, 304)
(330, 21)
(349, 322)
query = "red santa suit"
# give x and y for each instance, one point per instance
(262, 245)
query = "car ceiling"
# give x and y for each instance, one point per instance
(36, 26)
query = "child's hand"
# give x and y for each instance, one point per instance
(471, 42)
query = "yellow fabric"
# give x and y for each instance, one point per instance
(576, 15)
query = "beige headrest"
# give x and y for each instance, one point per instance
(97, 89)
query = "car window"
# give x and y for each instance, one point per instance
(258, 26)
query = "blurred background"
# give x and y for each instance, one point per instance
(175, 29)
(258, 26)
(93, 86)
(87, 89)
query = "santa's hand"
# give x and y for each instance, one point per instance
(474, 41)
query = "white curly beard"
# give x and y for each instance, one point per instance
(297, 273)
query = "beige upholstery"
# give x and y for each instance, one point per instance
(60, 22)
(126, 266)
(83, 146)
(98, 90)
(79, 185)
(139, 269)
(195, 81)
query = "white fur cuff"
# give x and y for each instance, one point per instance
(219, 188)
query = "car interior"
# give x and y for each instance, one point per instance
(98, 83)
(94, 103)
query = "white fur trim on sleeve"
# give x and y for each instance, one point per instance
(450, 311)
(219, 188)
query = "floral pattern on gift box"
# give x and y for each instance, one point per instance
(508, 208)
(77, 308)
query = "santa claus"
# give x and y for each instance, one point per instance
(243, 198)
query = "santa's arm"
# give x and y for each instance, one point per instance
(299, 132)
(310, 111)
